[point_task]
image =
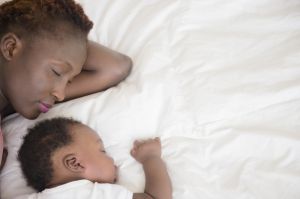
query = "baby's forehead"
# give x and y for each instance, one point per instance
(81, 132)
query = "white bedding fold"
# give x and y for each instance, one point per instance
(218, 81)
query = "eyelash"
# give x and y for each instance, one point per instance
(103, 151)
(56, 73)
(59, 75)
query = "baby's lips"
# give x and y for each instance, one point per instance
(116, 171)
(132, 151)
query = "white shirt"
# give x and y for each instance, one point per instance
(82, 189)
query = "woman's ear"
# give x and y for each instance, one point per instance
(72, 163)
(10, 46)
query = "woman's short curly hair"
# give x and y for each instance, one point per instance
(30, 17)
(39, 144)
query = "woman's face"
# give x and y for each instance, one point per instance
(38, 74)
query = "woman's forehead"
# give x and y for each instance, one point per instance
(70, 50)
(70, 53)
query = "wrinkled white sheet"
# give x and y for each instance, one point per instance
(218, 81)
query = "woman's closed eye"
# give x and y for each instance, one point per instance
(56, 73)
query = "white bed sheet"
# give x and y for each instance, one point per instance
(218, 81)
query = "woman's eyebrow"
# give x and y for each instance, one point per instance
(64, 66)
(69, 66)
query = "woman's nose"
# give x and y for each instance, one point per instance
(59, 92)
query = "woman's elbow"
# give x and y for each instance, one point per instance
(124, 67)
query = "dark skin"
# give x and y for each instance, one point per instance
(99, 75)
(43, 71)
(158, 183)
(85, 158)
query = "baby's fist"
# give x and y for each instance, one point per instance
(142, 150)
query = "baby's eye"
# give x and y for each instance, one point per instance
(103, 151)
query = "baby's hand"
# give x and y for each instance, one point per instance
(142, 150)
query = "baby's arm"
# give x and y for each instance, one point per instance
(103, 68)
(158, 183)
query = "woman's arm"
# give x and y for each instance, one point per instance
(103, 68)
(158, 183)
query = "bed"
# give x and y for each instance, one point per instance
(217, 81)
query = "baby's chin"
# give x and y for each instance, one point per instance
(115, 180)
(116, 175)
(111, 181)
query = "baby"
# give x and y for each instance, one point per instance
(63, 158)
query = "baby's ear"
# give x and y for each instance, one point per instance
(72, 163)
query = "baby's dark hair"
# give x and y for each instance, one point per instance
(28, 18)
(39, 144)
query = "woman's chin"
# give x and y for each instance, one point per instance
(31, 115)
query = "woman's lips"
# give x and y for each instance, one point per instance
(44, 108)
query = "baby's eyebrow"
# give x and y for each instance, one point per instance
(99, 140)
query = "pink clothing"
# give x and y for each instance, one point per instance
(1, 143)
(3, 103)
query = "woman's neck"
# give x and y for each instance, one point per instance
(3, 102)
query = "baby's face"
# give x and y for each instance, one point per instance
(88, 146)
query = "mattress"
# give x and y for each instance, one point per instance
(217, 81)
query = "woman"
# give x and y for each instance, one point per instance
(45, 57)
